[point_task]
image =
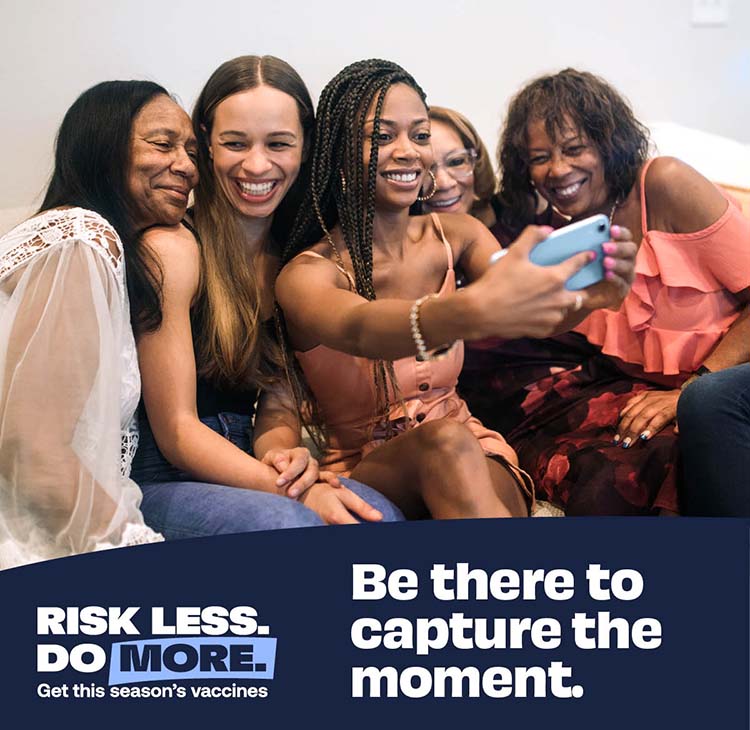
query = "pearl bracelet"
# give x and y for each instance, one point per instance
(422, 354)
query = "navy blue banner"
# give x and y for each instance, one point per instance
(587, 623)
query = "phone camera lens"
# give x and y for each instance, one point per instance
(602, 227)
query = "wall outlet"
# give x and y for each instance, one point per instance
(710, 12)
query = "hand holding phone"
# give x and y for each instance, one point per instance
(585, 235)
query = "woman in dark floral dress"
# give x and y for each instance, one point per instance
(591, 414)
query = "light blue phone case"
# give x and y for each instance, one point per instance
(586, 235)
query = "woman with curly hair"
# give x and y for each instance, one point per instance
(377, 287)
(592, 413)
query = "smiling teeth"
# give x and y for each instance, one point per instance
(568, 192)
(401, 177)
(444, 203)
(257, 188)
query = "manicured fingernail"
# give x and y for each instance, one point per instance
(592, 255)
(609, 247)
(609, 275)
(626, 443)
(645, 436)
(293, 493)
(609, 262)
(546, 230)
(280, 482)
(616, 439)
(615, 230)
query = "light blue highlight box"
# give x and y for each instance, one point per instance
(144, 660)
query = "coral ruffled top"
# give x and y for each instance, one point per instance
(682, 300)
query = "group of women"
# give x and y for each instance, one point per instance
(326, 276)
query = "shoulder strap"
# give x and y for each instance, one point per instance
(188, 223)
(644, 214)
(349, 277)
(448, 250)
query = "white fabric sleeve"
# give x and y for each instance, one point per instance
(61, 335)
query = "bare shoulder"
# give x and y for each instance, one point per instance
(680, 198)
(459, 225)
(176, 253)
(171, 241)
(314, 258)
(309, 267)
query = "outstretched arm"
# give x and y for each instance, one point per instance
(512, 298)
(478, 245)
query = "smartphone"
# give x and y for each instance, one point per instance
(586, 235)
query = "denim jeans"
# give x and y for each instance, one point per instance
(713, 414)
(180, 507)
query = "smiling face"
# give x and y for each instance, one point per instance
(404, 151)
(161, 171)
(256, 145)
(455, 188)
(568, 171)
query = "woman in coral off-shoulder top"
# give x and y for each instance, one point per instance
(592, 415)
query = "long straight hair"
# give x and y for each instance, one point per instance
(232, 346)
(92, 158)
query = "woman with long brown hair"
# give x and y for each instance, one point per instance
(204, 468)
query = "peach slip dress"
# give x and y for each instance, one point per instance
(344, 388)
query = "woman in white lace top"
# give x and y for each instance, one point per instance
(69, 381)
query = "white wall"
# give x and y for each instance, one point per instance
(469, 54)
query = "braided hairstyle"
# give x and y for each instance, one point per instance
(341, 192)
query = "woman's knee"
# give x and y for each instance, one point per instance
(449, 439)
(262, 511)
(196, 509)
(712, 397)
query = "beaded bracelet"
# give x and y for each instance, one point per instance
(422, 354)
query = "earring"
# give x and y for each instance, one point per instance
(343, 182)
(423, 198)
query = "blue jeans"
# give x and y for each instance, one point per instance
(179, 507)
(714, 418)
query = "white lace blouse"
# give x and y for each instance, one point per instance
(69, 388)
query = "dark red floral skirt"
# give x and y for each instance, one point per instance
(557, 401)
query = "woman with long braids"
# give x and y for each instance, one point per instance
(203, 465)
(378, 288)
